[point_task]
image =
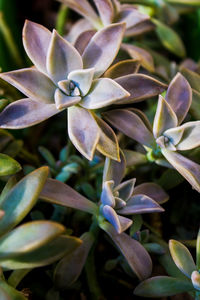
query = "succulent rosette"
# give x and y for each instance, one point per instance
(119, 199)
(167, 137)
(61, 79)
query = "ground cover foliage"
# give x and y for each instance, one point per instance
(99, 149)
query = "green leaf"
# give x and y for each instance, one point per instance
(48, 156)
(21, 198)
(28, 237)
(185, 2)
(9, 293)
(198, 251)
(9, 185)
(44, 255)
(161, 286)
(169, 38)
(182, 257)
(8, 165)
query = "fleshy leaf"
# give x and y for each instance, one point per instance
(107, 197)
(112, 217)
(82, 79)
(62, 58)
(161, 286)
(131, 125)
(140, 28)
(192, 77)
(123, 68)
(28, 237)
(165, 118)
(47, 254)
(105, 10)
(103, 48)
(195, 277)
(83, 40)
(77, 29)
(114, 170)
(63, 101)
(125, 189)
(169, 38)
(153, 191)
(134, 158)
(125, 223)
(187, 168)
(198, 250)
(21, 198)
(140, 87)
(8, 165)
(83, 131)
(57, 192)
(108, 143)
(32, 83)
(144, 57)
(70, 267)
(131, 16)
(179, 96)
(103, 92)
(7, 292)
(140, 204)
(36, 39)
(182, 257)
(174, 134)
(190, 137)
(135, 254)
(25, 113)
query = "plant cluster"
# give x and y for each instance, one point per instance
(99, 134)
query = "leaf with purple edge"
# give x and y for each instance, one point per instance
(131, 125)
(135, 254)
(25, 113)
(107, 197)
(190, 137)
(165, 118)
(140, 87)
(57, 192)
(83, 130)
(106, 11)
(110, 214)
(103, 48)
(125, 189)
(123, 68)
(152, 190)
(28, 80)
(82, 79)
(182, 257)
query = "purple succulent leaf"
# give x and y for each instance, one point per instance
(103, 48)
(107, 197)
(140, 87)
(64, 101)
(83, 40)
(79, 27)
(111, 216)
(62, 58)
(187, 168)
(161, 286)
(82, 79)
(182, 257)
(131, 125)
(152, 190)
(32, 83)
(179, 96)
(135, 254)
(57, 192)
(190, 137)
(143, 117)
(125, 223)
(70, 266)
(193, 78)
(106, 11)
(83, 8)
(119, 203)
(25, 113)
(108, 143)
(123, 68)
(125, 189)
(131, 16)
(83, 130)
(140, 204)
(174, 134)
(145, 59)
(114, 170)
(36, 39)
(140, 28)
(103, 92)
(165, 118)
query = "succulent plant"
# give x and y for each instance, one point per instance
(167, 137)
